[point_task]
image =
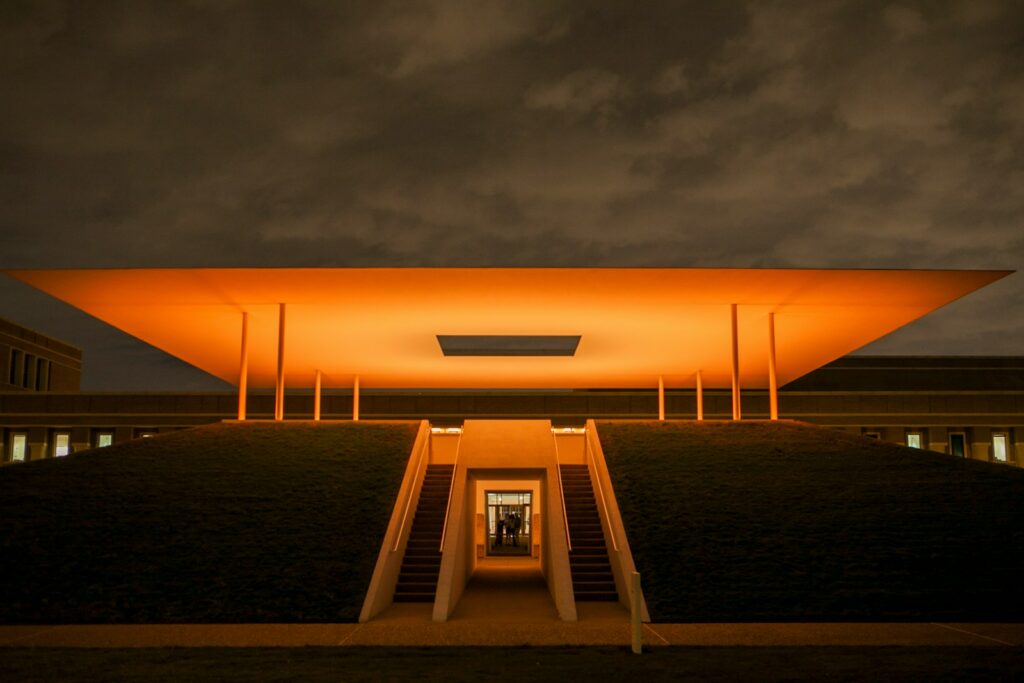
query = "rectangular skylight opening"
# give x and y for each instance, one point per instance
(508, 345)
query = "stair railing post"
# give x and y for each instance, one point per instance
(600, 491)
(408, 499)
(561, 493)
(634, 612)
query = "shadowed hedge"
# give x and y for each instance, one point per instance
(247, 522)
(758, 521)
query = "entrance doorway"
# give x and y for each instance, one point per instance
(509, 522)
(958, 444)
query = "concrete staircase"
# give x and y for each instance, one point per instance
(417, 580)
(592, 579)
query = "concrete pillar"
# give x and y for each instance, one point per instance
(736, 412)
(700, 397)
(355, 399)
(316, 396)
(122, 434)
(980, 443)
(38, 444)
(279, 388)
(243, 368)
(80, 440)
(773, 382)
(661, 398)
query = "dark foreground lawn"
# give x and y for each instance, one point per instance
(788, 522)
(527, 664)
(226, 523)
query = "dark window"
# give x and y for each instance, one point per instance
(12, 372)
(958, 444)
(30, 361)
(42, 374)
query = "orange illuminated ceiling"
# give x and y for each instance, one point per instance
(382, 323)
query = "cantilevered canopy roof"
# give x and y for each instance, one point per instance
(383, 324)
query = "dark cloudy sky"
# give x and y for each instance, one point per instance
(511, 133)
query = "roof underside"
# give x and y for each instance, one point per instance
(383, 324)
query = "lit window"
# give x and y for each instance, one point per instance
(19, 447)
(104, 439)
(61, 445)
(568, 430)
(914, 440)
(999, 447)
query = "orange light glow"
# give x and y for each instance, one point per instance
(381, 324)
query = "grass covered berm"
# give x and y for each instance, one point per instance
(252, 522)
(758, 521)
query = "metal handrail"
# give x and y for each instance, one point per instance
(408, 498)
(600, 490)
(561, 494)
(451, 487)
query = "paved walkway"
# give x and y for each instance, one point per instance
(507, 603)
(409, 628)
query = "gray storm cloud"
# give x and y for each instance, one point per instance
(816, 134)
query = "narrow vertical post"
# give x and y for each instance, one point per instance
(735, 366)
(773, 382)
(316, 396)
(279, 389)
(634, 612)
(355, 399)
(661, 398)
(700, 397)
(243, 367)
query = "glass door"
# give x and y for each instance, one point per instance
(508, 522)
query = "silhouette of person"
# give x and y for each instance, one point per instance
(499, 531)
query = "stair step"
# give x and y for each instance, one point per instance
(420, 586)
(589, 565)
(603, 587)
(414, 597)
(603, 596)
(419, 569)
(421, 565)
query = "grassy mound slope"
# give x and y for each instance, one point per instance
(225, 523)
(788, 522)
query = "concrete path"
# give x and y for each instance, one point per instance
(411, 626)
(507, 604)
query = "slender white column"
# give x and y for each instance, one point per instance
(355, 399)
(735, 366)
(279, 389)
(773, 382)
(661, 398)
(243, 368)
(316, 396)
(700, 397)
